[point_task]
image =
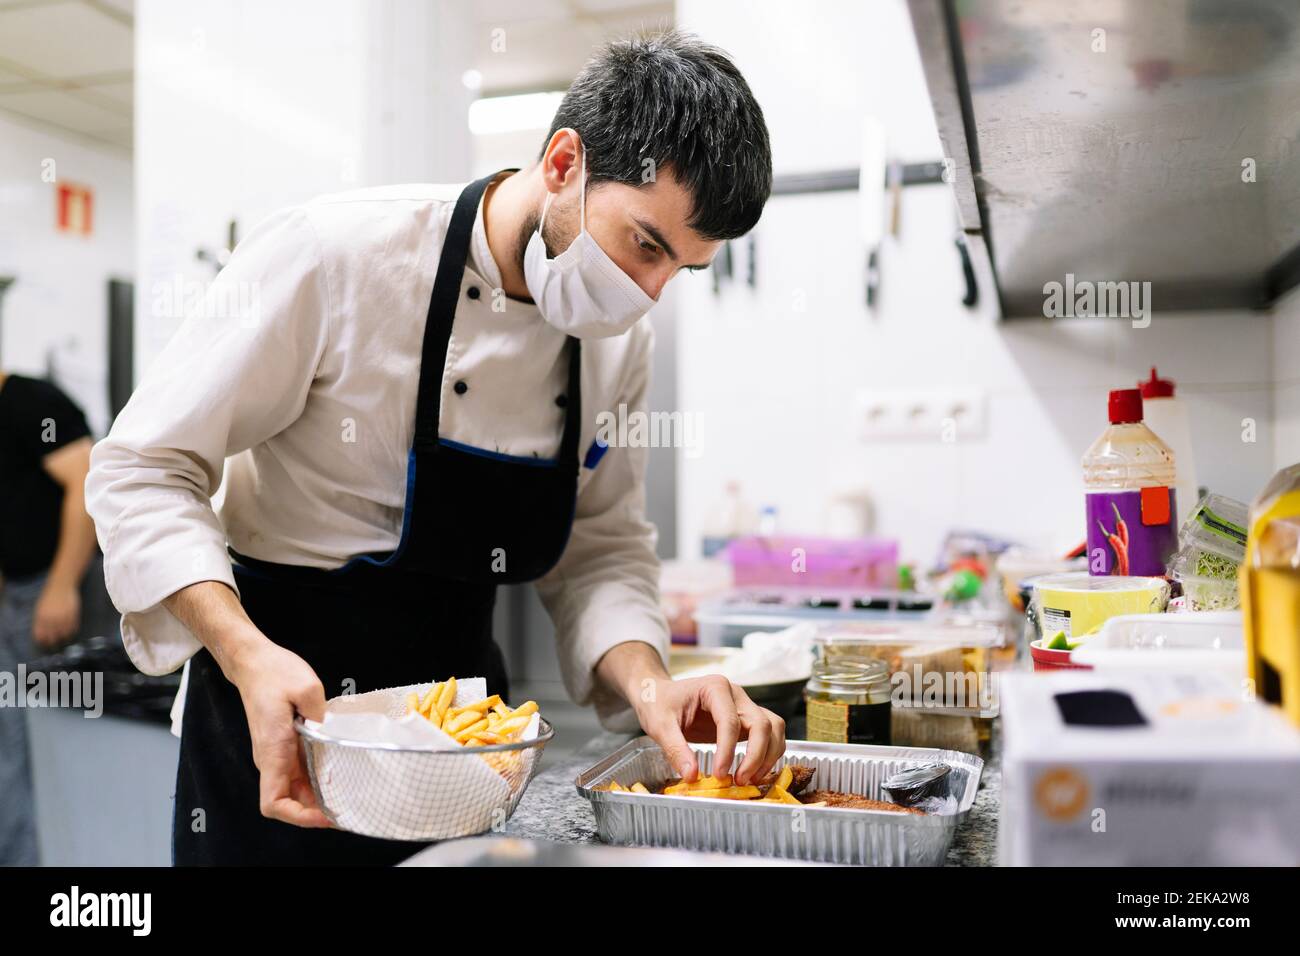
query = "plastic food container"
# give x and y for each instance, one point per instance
(1217, 525)
(1209, 579)
(726, 620)
(826, 563)
(945, 728)
(1079, 604)
(1169, 642)
(935, 663)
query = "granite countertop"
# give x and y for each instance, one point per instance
(552, 809)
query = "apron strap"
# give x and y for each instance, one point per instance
(442, 311)
(572, 408)
(437, 332)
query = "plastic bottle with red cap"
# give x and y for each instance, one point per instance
(1166, 415)
(1131, 504)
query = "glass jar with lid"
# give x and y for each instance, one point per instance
(848, 701)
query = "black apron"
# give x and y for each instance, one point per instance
(473, 519)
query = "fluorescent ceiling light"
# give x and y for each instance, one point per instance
(508, 114)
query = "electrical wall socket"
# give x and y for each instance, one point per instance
(941, 415)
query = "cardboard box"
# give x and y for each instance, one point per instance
(1145, 769)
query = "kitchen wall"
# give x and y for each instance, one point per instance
(57, 310)
(775, 372)
(240, 112)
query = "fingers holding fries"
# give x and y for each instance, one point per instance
(708, 710)
(765, 733)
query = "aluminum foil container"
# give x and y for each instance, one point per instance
(814, 834)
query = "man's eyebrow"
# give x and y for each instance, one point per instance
(658, 238)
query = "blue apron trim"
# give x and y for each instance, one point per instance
(499, 456)
(595, 453)
(383, 560)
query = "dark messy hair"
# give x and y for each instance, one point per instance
(678, 101)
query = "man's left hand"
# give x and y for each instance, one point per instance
(705, 709)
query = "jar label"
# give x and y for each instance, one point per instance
(828, 722)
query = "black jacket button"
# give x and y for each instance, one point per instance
(461, 388)
(472, 292)
(562, 400)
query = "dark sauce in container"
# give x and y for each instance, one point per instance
(848, 701)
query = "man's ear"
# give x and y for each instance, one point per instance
(560, 161)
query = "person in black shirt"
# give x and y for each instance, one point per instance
(47, 543)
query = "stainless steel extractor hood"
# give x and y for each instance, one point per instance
(1122, 141)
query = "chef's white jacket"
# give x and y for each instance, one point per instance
(297, 380)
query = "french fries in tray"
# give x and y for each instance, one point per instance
(784, 786)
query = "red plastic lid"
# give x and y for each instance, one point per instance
(1125, 406)
(1157, 387)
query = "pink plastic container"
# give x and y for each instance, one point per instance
(791, 561)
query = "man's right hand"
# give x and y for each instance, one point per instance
(275, 684)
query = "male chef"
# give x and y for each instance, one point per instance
(401, 388)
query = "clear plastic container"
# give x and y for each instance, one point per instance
(941, 664)
(1209, 579)
(1217, 524)
(724, 621)
(943, 728)
(1169, 642)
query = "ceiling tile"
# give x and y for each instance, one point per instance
(10, 79)
(65, 40)
(123, 7)
(122, 136)
(118, 94)
(61, 109)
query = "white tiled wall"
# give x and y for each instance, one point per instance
(776, 386)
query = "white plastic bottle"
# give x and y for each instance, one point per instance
(1166, 415)
(1131, 502)
(732, 517)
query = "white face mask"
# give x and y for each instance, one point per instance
(582, 292)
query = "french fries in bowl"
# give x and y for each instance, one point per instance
(423, 762)
(484, 722)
